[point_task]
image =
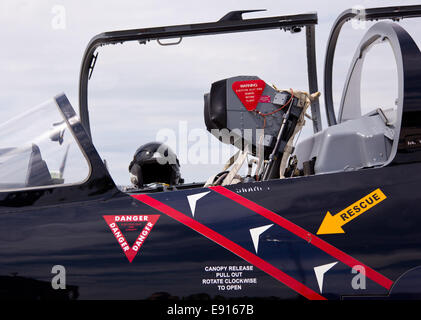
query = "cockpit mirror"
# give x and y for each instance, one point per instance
(57, 135)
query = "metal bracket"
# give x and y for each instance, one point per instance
(237, 15)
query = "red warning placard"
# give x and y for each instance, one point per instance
(140, 225)
(249, 92)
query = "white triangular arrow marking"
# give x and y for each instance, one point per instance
(320, 273)
(255, 234)
(193, 199)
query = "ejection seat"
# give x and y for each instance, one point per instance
(375, 139)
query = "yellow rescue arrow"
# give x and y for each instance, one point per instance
(333, 224)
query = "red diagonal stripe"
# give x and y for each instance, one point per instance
(231, 246)
(302, 233)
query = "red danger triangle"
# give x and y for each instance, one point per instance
(249, 92)
(131, 252)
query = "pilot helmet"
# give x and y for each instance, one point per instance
(154, 162)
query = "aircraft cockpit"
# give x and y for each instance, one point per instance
(247, 112)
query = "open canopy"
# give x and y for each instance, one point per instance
(230, 23)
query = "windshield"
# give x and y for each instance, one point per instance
(37, 149)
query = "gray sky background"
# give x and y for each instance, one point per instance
(136, 90)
